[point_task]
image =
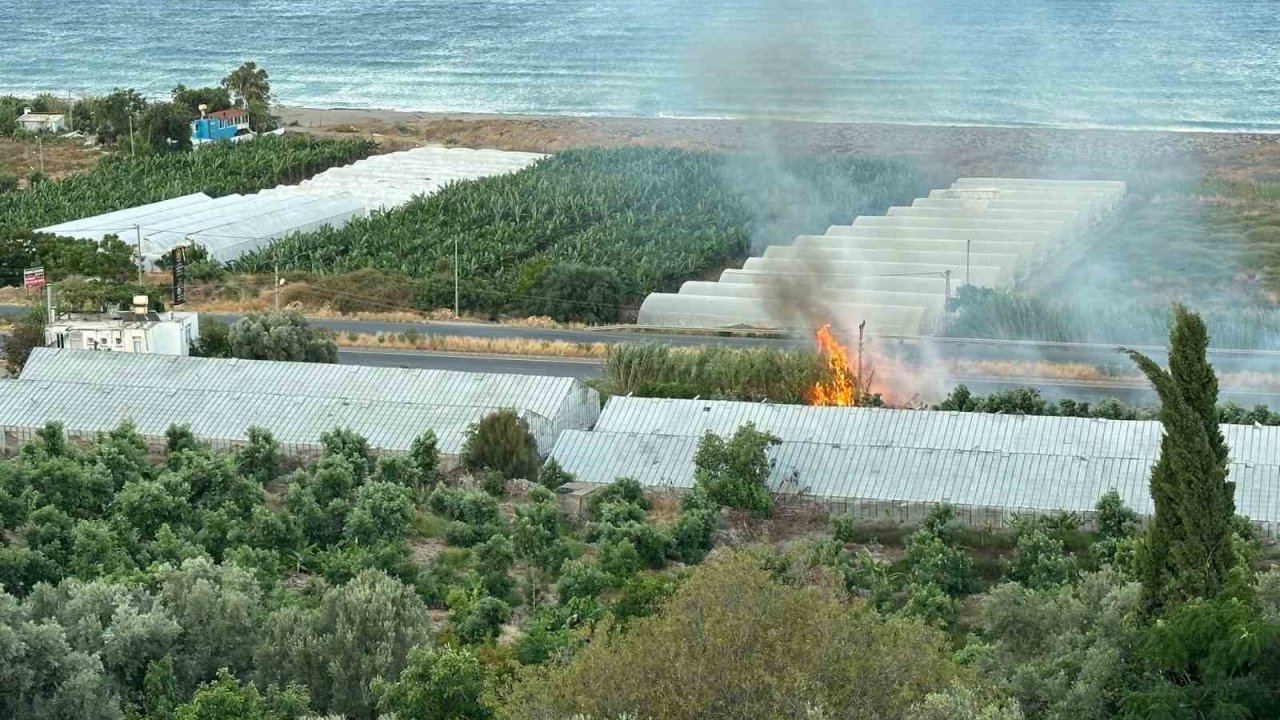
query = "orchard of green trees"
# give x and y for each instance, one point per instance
(196, 584)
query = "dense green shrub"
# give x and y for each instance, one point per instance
(580, 579)
(535, 533)
(619, 559)
(110, 259)
(552, 476)
(622, 491)
(1041, 562)
(435, 684)
(481, 620)
(569, 292)
(693, 534)
(425, 454)
(501, 441)
(494, 483)
(259, 458)
(280, 336)
(735, 473)
(931, 561)
(494, 560)
(381, 513)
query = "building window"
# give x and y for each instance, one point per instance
(137, 345)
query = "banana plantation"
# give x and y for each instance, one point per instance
(651, 217)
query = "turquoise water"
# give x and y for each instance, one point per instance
(1192, 64)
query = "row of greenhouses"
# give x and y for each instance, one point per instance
(220, 399)
(888, 464)
(232, 225)
(894, 272)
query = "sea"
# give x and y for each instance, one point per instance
(1167, 64)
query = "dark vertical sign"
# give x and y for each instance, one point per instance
(179, 263)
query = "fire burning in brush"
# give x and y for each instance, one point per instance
(843, 387)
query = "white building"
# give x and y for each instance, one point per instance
(34, 122)
(167, 333)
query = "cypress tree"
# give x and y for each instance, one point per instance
(1187, 549)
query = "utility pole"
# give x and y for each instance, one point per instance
(456, 316)
(40, 148)
(276, 286)
(967, 245)
(132, 152)
(48, 302)
(137, 233)
(861, 326)
(946, 302)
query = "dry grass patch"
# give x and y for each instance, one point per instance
(479, 345)
(61, 157)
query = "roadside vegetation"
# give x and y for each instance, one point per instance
(197, 584)
(586, 233)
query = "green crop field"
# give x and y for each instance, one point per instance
(122, 182)
(626, 221)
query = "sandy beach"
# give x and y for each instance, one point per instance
(1044, 152)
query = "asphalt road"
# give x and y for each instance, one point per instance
(561, 367)
(907, 348)
(911, 349)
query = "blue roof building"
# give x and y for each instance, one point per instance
(218, 126)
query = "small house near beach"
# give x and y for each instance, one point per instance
(218, 126)
(34, 122)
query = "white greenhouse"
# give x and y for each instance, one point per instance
(896, 464)
(550, 404)
(991, 232)
(233, 225)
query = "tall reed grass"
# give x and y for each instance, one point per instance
(753, 374)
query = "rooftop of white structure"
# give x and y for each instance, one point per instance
(926, 430)
(225, 415)
(549, 397)
(977, 459)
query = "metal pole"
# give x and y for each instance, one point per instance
(137, 231)
(48, 302)
(861, 326)
(132, 152)
(456, 315)
(967, 244)
(946, 302)
(276, 286)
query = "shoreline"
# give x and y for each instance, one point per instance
(961, 149)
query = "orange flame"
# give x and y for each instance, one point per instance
(842, 387)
